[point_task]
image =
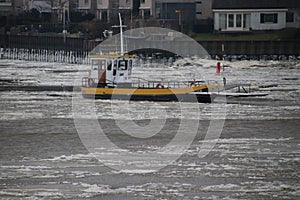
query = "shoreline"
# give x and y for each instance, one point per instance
(75, 50)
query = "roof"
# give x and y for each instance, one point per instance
(40, 5)
(112, 56)
(255, 4)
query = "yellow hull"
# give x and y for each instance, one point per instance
(144, 91)
(151, 94)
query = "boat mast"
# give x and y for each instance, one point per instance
(121, 35)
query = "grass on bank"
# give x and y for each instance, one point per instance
(285, 34)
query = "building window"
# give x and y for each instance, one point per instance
(158, 13)
(147, 14)
(269, 18)
(289, 17)
(100, 2)
(104, 16)
(115, 5)
(127, 1)
(198, 2)
(246, 21)
(238, 21)
(86, 2)
(142, 1)
(234, 21)
(230, 20)
(223, 21)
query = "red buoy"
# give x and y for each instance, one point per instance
(218, 68)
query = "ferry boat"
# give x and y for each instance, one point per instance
(110, 77)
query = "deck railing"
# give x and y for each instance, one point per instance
(142, 83)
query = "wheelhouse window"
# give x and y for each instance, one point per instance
(271, 18)
(94, 64)
(101, 64)
(122, 65)
(130, 67)
(109, 65)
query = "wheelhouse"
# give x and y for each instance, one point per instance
(110, 71)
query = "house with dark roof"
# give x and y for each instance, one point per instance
(247, 15)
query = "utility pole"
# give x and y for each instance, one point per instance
(64, 19)
(64, 22)
(179, 19)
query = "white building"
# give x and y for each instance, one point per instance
(87, 6)
(245, 15)
(106, 8)
(147, 8)
(125, 5)
(103, 10)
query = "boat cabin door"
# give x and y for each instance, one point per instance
(98, 71)
(102, 71)
(111, 71)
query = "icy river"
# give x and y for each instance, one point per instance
(256, 155)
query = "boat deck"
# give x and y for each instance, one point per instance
(142, 84)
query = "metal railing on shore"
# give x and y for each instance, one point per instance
(80, 46)
(44, 55)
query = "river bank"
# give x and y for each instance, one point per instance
(75, 50)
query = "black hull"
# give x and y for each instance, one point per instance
(200, 98)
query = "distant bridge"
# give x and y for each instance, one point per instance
(153, 38)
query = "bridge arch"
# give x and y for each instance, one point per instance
(153, 38)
